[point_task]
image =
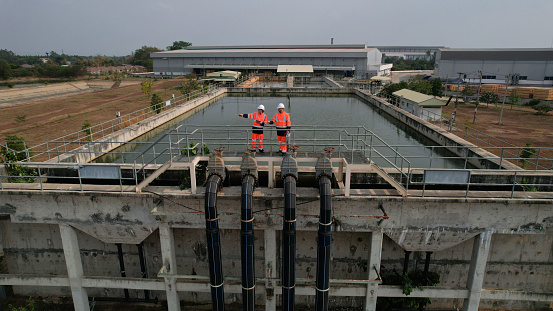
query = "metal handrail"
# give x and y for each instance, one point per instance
(454, 126)
(108, 127)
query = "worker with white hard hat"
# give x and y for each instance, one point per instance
(283, 126)
(259, 120)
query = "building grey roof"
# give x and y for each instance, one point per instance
(243, 47)
(497, 54)
(345, 51)
(420, 99)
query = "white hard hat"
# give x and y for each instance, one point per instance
(281, 105)
(261, 107)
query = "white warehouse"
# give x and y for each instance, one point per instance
(356, 60)
(529, 66)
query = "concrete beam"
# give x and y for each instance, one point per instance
(514, 295)
(124, 283)
(302, 290)
(428, 292)
(270, 268)
(375, 255)
(74, 267)
(32, 280)
(170, 262)
(480, 252)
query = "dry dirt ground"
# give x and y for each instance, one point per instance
(52, 118)
(519, 125)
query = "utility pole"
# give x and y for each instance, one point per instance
(504, 97)
(477, 97)
(457, 97)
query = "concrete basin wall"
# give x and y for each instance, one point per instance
(478, 157)
(521, 242)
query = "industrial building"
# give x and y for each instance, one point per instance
(527, 66)
(354, 60)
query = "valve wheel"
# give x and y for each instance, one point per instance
(329, 149)
(294, 148)
(219, 149)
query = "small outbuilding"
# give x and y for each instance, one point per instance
(421, 105)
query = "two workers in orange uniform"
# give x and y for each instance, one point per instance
(259, 120)
(283, 125)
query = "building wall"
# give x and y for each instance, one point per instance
(182, 63)
(534, 68)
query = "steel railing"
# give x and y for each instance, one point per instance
(532, 156)
(96, 132)
(515, 181)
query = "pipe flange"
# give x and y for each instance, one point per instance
(252, 175)
(329, 149)
(216, 173)
(290, 174)
(324, 174)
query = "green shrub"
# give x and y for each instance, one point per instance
(156, 103)
(408, 283)
(542, 108)
(87, 129)
(15, 150)
(532, 102)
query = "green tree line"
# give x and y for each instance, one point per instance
(399, 63)
(71, 66)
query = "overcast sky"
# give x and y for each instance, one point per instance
(118, 27)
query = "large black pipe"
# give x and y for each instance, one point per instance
(214, 243)
(323, 244)
(289, 244)
(247, 244)
(406, 262)
(122, 266)
(426, 268)
(143, 269)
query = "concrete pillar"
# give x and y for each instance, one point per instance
(74, 267)
(480, 252)
(167, 242)
(375, 255)
(2, 289)
(270, 268)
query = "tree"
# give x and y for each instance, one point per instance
(189, 86)
(514, 98)
(420, 85)
(147, 87)
(5, 70)
(437, 87)
(178, 45)
(156, 103)
(467, 94)
(489, 98)
(141, 57)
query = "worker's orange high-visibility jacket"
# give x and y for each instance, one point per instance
(259, 119)
(282, 122)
